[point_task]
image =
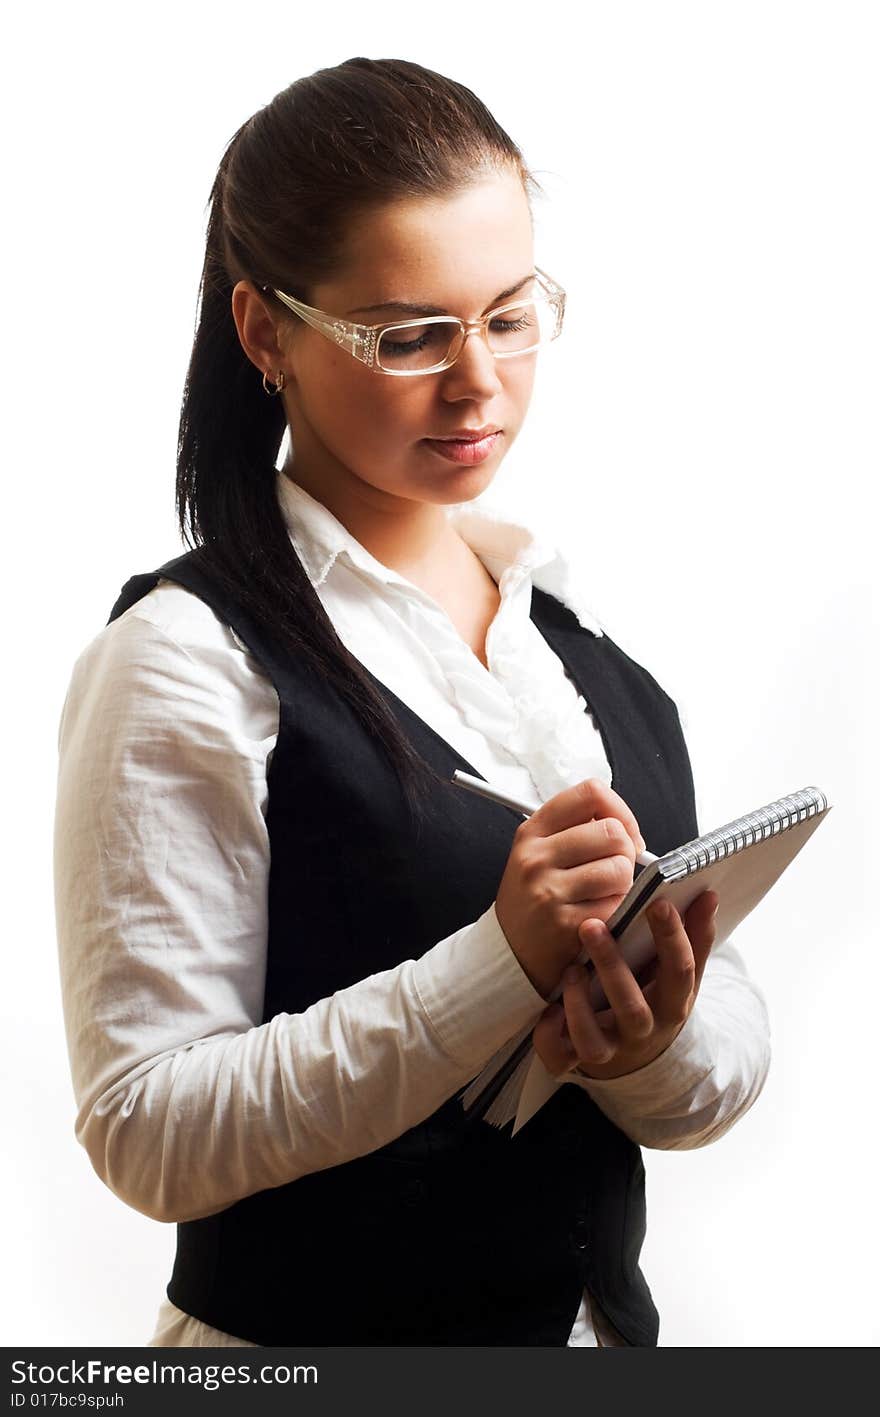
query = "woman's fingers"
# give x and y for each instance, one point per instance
(552, 1042)
(642, 1017)
(632, 1013)
(682, 949)
(676, 972)
(584, 802)
(590, 1043)
(605, 839)
(700, 922)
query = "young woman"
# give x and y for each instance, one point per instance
(287, 942)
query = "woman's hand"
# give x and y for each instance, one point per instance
(571, 861)
(641, 1020)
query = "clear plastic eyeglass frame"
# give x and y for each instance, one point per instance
(362, 341)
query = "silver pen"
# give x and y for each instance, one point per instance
(483, 789)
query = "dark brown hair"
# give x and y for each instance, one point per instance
(289, 186)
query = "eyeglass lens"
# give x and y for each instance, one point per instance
(415, 347)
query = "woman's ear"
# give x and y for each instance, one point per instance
(258, 330)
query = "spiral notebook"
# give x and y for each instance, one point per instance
(741, 861)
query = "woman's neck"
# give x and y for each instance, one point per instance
(416, 539)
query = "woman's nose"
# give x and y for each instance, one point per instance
(475, 372)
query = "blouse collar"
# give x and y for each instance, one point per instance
(505, 546)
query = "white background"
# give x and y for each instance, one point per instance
(703, 441)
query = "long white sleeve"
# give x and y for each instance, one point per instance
(186, 1102)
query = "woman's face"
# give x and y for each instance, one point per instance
(357, 432)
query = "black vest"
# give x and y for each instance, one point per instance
(456, 1232)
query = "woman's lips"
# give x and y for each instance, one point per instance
(463, 451)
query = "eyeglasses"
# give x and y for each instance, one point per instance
(426, 346)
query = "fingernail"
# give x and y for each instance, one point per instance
(572, 975)
(660, 912)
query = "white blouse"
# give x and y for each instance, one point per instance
(186, 1101)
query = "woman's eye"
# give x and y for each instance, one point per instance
(518, 322)
(403, 346)
(417, 338)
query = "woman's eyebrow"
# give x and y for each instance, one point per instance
(410, 309)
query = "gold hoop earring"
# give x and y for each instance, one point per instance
(279, 384)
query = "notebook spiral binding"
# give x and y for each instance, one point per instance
(755, 826)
